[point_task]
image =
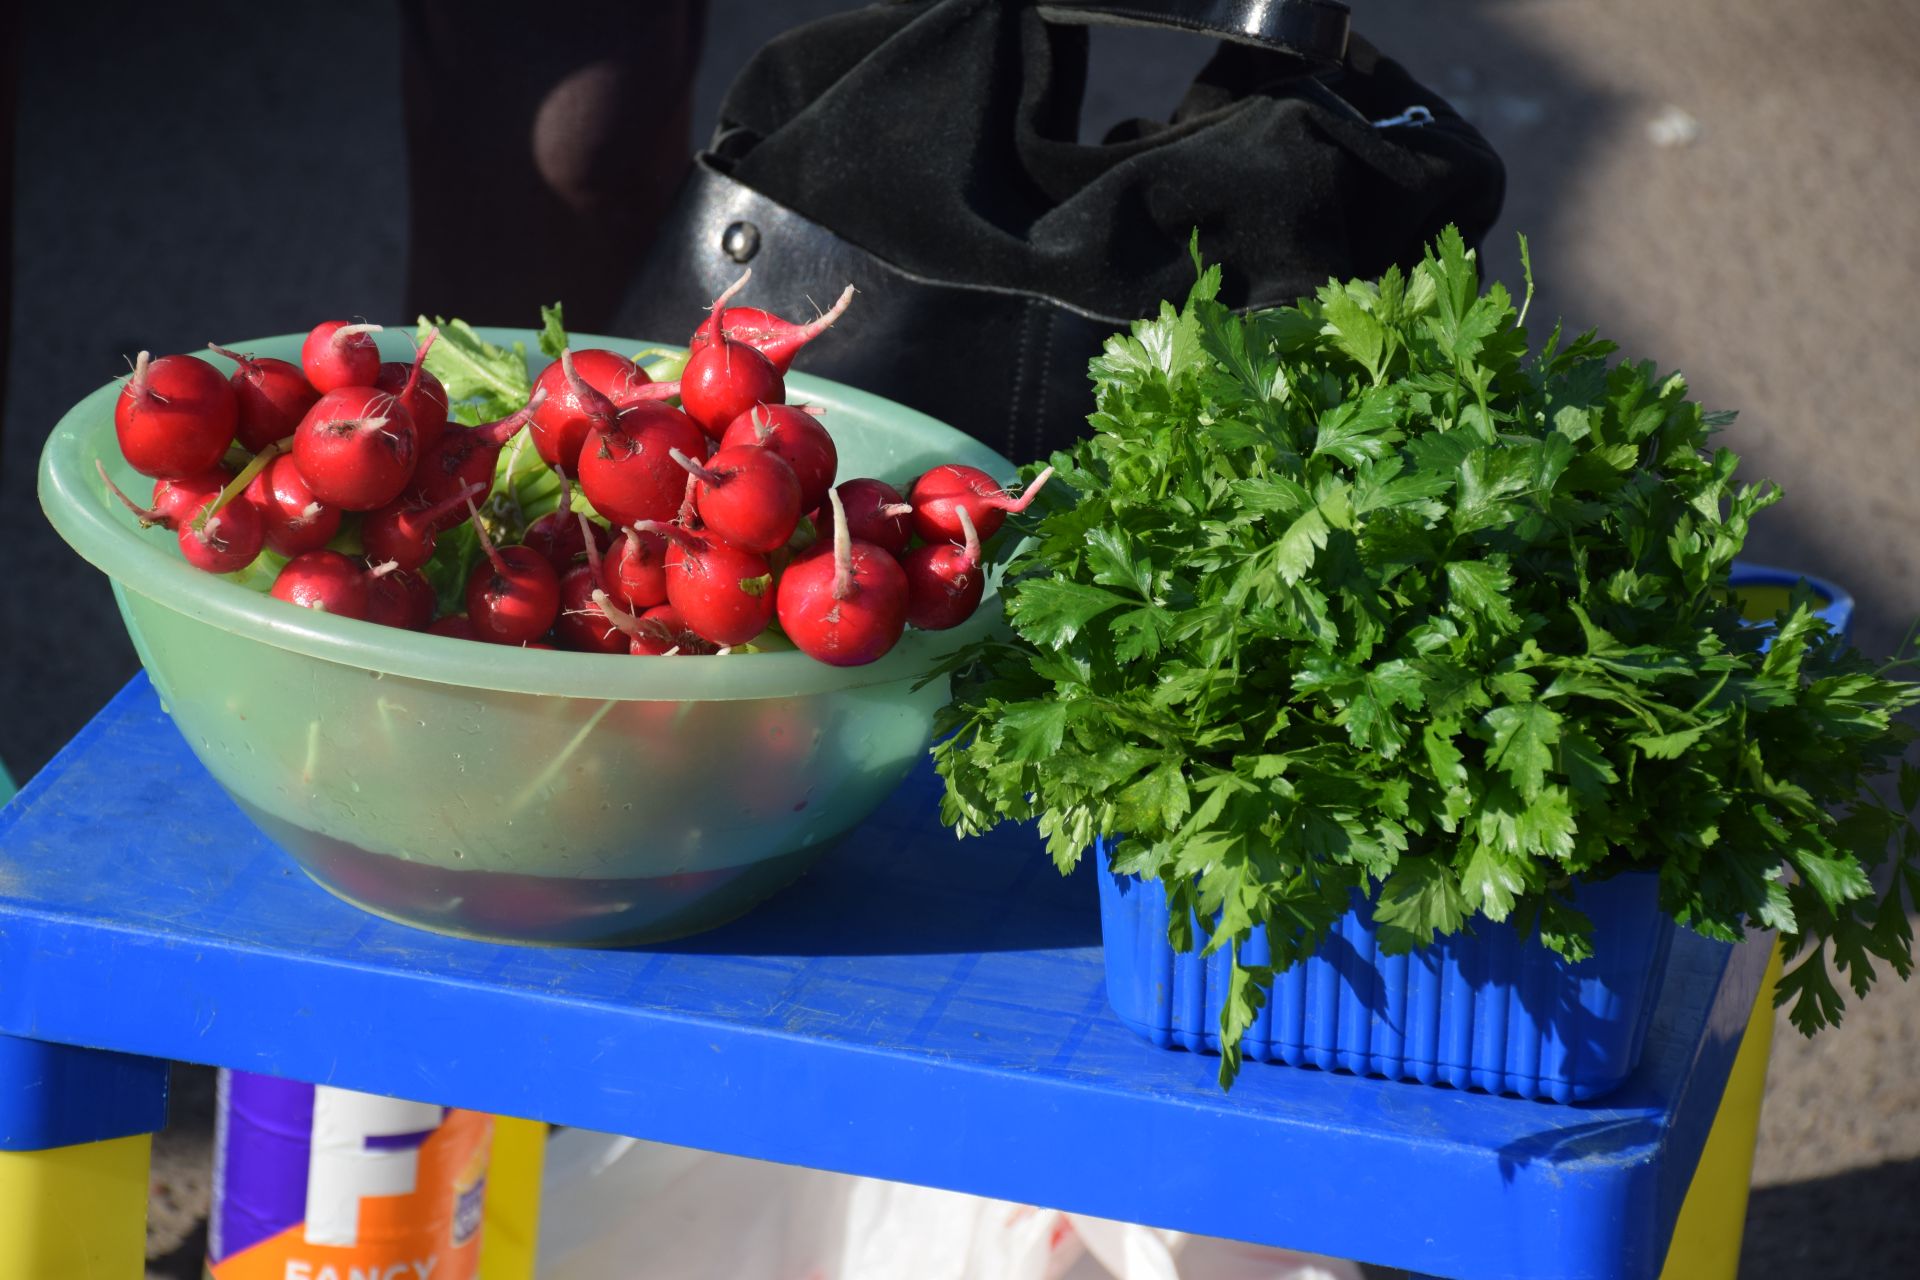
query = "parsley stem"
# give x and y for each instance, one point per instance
(1904, 654)
(238, 485)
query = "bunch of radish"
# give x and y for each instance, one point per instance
(710, 516)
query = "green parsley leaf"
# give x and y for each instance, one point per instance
(1362, 594)
(1523, 738)
(553, 331)
(484, 382)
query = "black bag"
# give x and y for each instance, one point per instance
(928, 152)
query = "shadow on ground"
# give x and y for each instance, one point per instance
(1849, 1224)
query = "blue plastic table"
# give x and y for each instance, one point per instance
(915, 1009)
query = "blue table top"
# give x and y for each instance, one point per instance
(915, 1009)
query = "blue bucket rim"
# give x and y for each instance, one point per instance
(1838, 611)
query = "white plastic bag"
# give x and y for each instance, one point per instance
(621, 1209)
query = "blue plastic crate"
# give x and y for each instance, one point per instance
(1485, 1011)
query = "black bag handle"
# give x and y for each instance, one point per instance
(1314, 31)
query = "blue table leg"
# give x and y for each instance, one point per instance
(76, 1130)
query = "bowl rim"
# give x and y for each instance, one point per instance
(69, 497)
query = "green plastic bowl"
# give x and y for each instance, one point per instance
(515, 794)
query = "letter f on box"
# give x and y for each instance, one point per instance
(363, 1145)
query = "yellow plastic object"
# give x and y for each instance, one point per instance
(1763, 603)
(508, 793)
(1706, 1236)
(511, 1237)
(75, 1213)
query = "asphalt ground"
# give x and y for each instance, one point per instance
(1725, 186)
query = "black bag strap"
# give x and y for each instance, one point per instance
(1314, 31)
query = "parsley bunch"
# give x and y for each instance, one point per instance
(1363, 594)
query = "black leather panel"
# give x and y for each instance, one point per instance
(1007, 368)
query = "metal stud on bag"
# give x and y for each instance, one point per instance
(740, 241)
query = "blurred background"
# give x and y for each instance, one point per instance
(1724, 185)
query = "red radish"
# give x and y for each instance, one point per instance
(681, 637)
(271, 395)
(295, 520)
(628, 473)
(582, 624)
(724, 594)
(688, 517)
(572, 408)
(640, 641)
(388, 603)
(794, 432)
(616, 377)
(635, 572)
(938, 495)
(356, 448)
(404, 532)
(180, 499)
(337, 354)
(619, 379)
(513, 595)
(174, 417)
(944, 582)
(724, 379)
(461, 458)
(747, 496)
(845, 605)
(225, 541)
(657, 632)
(238, 486)
(558, 540)
(876, 513)
(326, 581)
(421, 593)
(401, 598)
(454, 626)
(422, 393)
(559, 535)
(642, 392)
(613, 375)
(779, 340)
(704, 335)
